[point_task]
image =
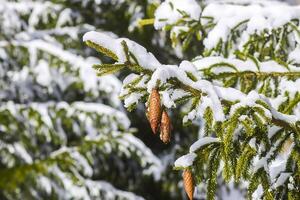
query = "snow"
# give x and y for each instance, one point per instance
(64, 17)
(263, 162)
(22, 153)
(39, 12)
(127, 143)
(258, 193)
(128, 79)
(82, 109)
(231, 192)
(272, 131)
(188, 66)
(258, 17)
(132, 99)
(202, 142)
(177, 30)
(168, 12)
(45, 183)
(107, 42)
(44, 112)
(224, 65)
(289, 86)
(43, 73)
(250, 100)
(82, 161)
(102, 109)
(294, 55)
(178, 93)
(291, 119)
(147, 157)
(91, 82)
(136, 81)
(281, 179)
(185, 160)
(275, 167)
(190, 116)
(166, 99)
(144, 58)
(162, 74)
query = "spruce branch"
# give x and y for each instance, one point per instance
(195, 88)
(221, 34)
(226, 111)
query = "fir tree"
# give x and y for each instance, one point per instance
(241, 87)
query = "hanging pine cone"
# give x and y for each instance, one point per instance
(188, 183)
(286, 146)
(165, 127)
(154, 113)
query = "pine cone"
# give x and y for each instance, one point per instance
(154, 113)
(165, 127)
(188, 183)
(286, 147)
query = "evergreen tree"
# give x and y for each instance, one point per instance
(241, 86)
(58, 140)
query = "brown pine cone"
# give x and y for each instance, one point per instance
(154, 113)
(188, 183)
(165, 127)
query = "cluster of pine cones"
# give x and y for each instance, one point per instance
(160, 120)
(158, 117)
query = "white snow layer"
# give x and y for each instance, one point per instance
(257, 17)
(45, 74)
(234, 65)
(185, 160)
(188, 159)
(257, 194)
(144, 58)
(170, 11)
(152, 164)
(90, 188)
(202, 142)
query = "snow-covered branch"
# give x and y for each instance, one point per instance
(178, 77)
(238, 127)
(225, 28)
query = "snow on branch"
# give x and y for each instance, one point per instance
(230, 28)
(170, 11)
(115, 49)
(46, 74)
(202, 142)
(85, 189)
(105, 128)
(187, 160)
(237, 128)
(212, 95)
